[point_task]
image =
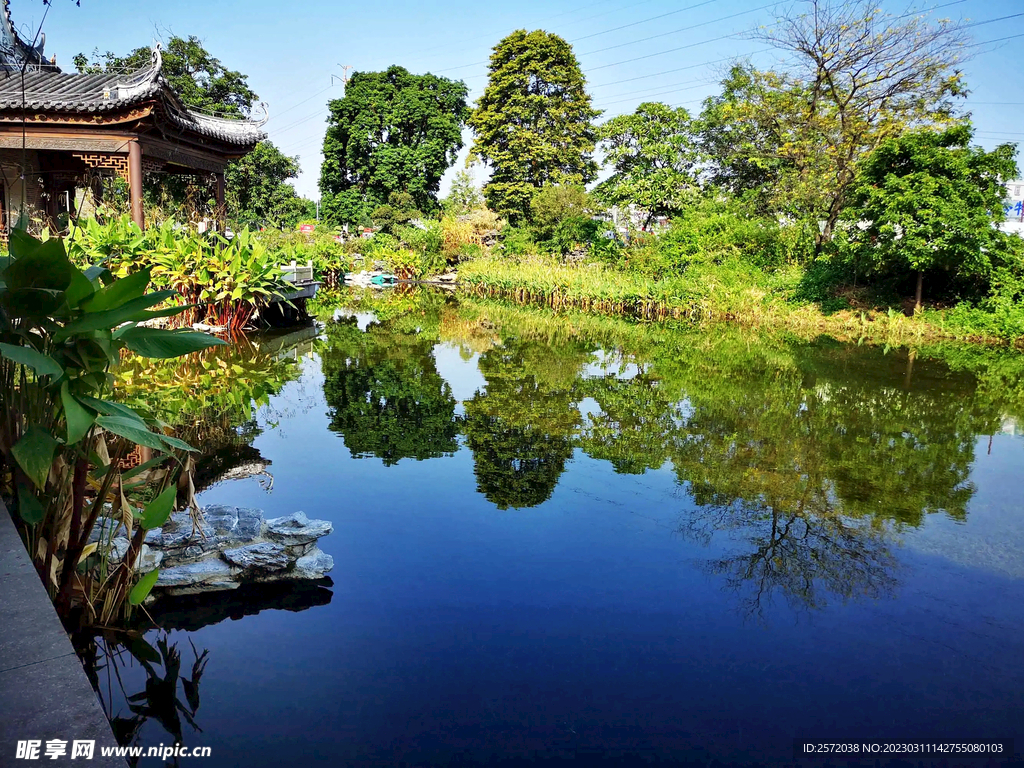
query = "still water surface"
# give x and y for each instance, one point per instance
(559, 535)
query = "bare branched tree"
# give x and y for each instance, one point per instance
(861, 76)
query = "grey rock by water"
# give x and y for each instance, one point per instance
(297, 529)
(264, 557)
(234, 546)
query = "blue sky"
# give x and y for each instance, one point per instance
(658, 50)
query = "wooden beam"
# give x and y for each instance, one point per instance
(135, 183)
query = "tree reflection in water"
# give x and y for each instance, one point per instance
(520, 428)
(385, 394)
(807, 459)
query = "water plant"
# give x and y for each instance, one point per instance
(62, 440)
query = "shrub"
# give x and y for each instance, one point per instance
(61, 330)
(518, 241)
(554, 203)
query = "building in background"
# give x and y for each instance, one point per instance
(64, 132)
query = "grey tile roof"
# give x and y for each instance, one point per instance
(101, 93)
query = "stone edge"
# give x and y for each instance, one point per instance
(44, 692)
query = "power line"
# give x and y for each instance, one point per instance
(677, 69)
(642, 21)
(475, 38)
(605, 32)
(662, 53)
(681, 29)
(299, 104)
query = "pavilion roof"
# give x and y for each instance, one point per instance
(29, 82)
(84, 94)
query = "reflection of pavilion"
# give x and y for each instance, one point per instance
(61, 132)
(1010, 427)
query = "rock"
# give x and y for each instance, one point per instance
(264, 556)
(314, 565)
(231, 546)
(297, 529)
(147, 560)
(193, 576)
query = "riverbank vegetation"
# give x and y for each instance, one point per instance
(838, 190)
(64, 440)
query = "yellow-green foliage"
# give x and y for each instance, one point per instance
(456, 233)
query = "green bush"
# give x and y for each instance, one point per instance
(518, 241)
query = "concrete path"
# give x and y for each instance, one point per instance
(44, 693)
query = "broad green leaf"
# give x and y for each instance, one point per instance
(119, 292)
(107, 408)
(96, 272)
(141, 590)
(42, 364)
(159, 343)
(32, 302)
(131, 429)
(159, 509)
(34, 454)
(79, 419)
(29, 507)
(174, 442)
(81, 287)
(47, 267)
(129, 312)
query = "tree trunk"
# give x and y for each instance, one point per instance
(917, 295)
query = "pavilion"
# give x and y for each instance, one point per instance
(61, 132)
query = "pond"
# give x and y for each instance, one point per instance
(573, 535)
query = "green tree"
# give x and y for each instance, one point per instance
(555, 203)
(654, 155)
(743, 155)
(534, 122)
(392, 132)
(464, 195)
(258, 192)
(855, 77)
(200, 79)
(929, 201)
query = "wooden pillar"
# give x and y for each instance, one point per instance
(221, 214)
(135, 182)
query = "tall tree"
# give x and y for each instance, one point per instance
(654, 155)
(930, 201)
(534, 122)
(258, 192)
(854, 77)
(392, 132)
(199, 78)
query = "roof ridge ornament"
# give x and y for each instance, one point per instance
(141, 82)
(263, 118)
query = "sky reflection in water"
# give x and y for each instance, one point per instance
(571, 534)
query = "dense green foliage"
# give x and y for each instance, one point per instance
(62, 329)
(534, 121)
(930, 202)
(392, 132)
(654, 155)
(258, 192)
(227, 281)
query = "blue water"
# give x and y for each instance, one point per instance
(591, 623)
